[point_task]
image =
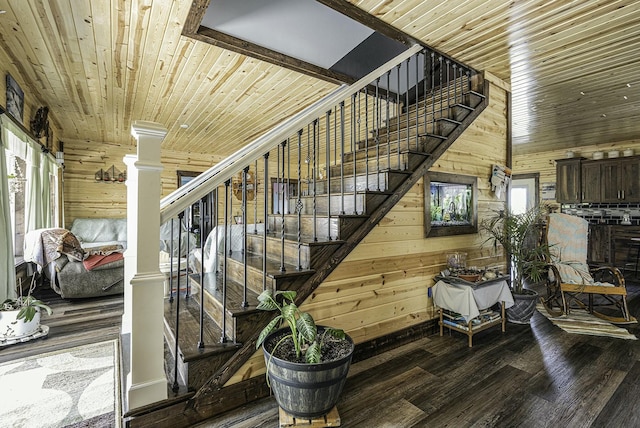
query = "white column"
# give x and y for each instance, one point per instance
(142, 321)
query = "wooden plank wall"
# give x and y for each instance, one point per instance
(84, 197)
(544, 162)
(382, 286)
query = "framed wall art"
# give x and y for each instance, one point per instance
(15, 98)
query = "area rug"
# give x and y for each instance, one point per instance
(75, 387)
(582, 322)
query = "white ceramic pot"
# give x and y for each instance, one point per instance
(598, 155)
(13, 328)
(628, 152)
(613, 154)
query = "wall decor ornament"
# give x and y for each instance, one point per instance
(15, 99)
(110, 175)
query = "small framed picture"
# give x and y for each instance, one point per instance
(15, 99)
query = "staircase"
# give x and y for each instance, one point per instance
(335, 177)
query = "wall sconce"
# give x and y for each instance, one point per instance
(110, 175)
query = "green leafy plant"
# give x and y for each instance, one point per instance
(520, 237)
(27, 305)
(304, 333)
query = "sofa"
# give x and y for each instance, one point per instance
(87, 260)
(98, 238)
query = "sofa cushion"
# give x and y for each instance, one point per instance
(100, 229)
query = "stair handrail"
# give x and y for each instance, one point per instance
(185, 196)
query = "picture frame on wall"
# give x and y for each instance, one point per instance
(15, 99)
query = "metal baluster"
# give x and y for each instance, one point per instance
(245, 303)
(398, 112)
(376, 132)
(223, 337)
(441, 88)
(353, 138)
(175, 386)
(328, 166)
(455, 84)
(288, 189)
(277, 208)
(188, 226)
(417, 103)
(406, 107)
(448, 62)
(366, 143)
(299, 201)
(315, 173)
(387, 120)
(230, 212)
(335, 135)
(266, 221)
(217, 240)
(255, 199)
(282, 219)
(171, 265)
(433, 93)
(342, 131)
(308, 160)
(426, 91)
(201, 341)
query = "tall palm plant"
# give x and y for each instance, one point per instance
(520, 237)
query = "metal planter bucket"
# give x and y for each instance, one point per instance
(307, 390)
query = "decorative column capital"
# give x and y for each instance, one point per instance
(146, 128)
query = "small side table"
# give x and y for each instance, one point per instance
(468, 301)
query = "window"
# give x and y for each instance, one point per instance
(450, 204)
(15, 174)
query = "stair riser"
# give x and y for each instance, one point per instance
(347, 204)
(310, 255)
(455, 112)
(327, 226)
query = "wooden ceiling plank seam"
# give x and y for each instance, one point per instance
(101, 18)
(173, 46)
(138, 66)
(122, 29)
(192, 86)
(165, 24)
(31, 75)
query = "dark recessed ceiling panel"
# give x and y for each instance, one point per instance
(305, 30)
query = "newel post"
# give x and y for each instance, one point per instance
(142, 321)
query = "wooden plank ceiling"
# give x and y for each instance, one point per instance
(99, 65)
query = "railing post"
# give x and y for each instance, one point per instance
(142, 322)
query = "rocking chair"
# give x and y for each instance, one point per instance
(571, 281)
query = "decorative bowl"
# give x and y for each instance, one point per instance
(471, 277)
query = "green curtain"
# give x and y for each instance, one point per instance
(7, 259)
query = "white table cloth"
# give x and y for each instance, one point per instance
(469, 301)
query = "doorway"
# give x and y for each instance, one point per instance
(524, 192)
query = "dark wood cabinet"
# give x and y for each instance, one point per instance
(590, 181)
(568, 182)
(598, 181)
(612, 245)
(630, 179)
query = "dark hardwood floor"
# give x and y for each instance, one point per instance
(73, 323)
(530, 376)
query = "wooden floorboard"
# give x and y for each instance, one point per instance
(74, 322)
(530, 376)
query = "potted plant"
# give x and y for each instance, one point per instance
(520, 237)
(20, 316)
(307, 365)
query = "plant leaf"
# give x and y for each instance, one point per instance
(335, 332)
(267, 330)
(289, 295)
(307, 327)
(313, 353)
(267, 302)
